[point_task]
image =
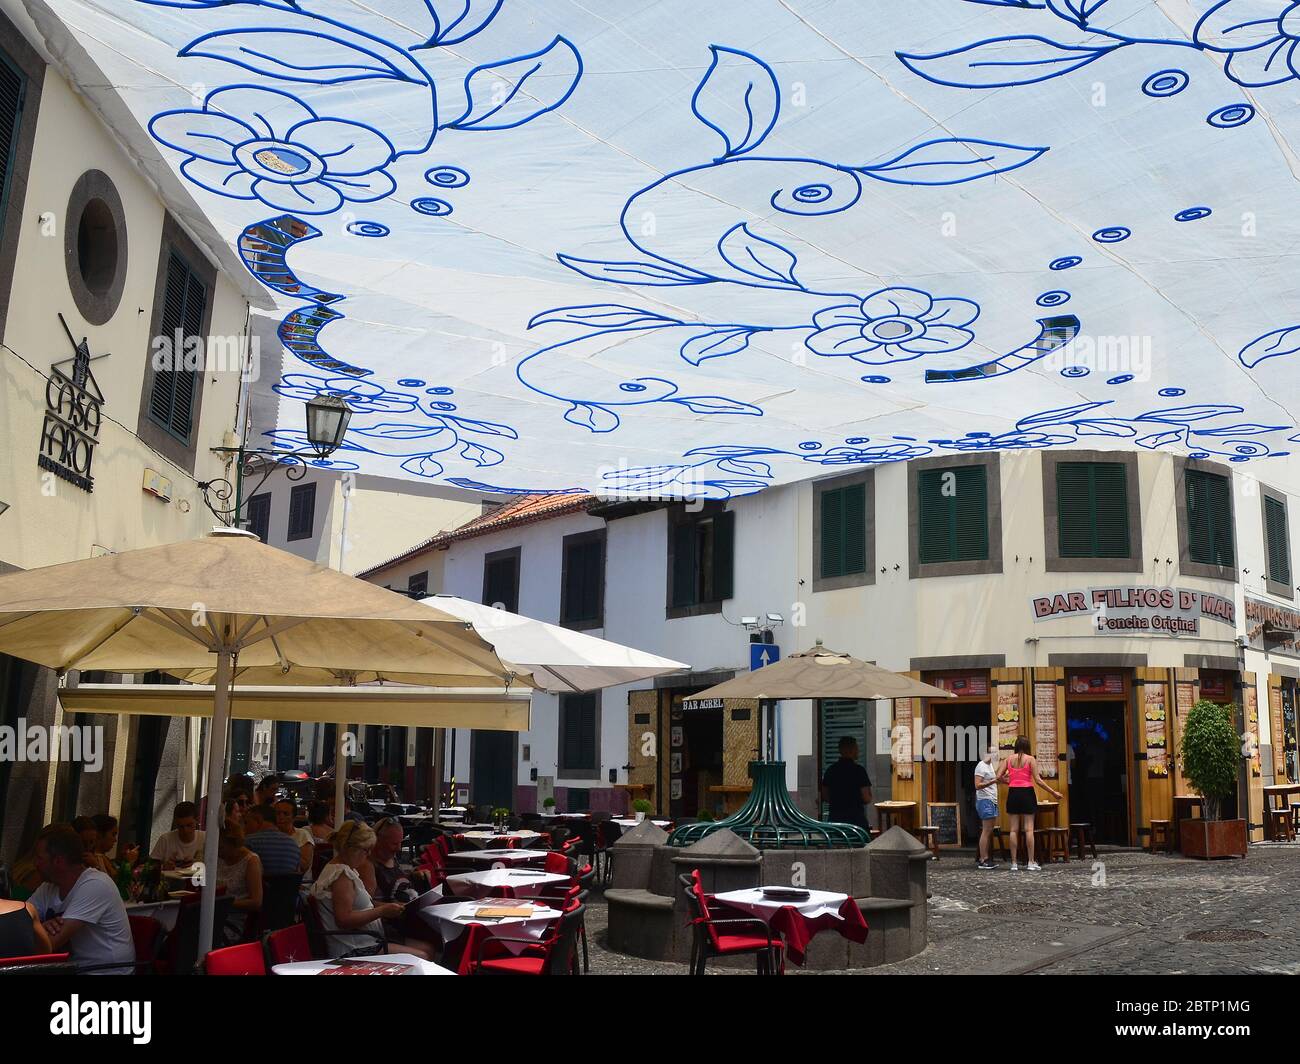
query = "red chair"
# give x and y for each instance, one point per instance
(37, 964)
(287, 945)
(560, 864)
(318, 936)
(147, 934)
(245, 959)
(720, 935)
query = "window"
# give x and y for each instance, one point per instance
(952, 505)
(302, 511)
(259, 516)
(1277, 545)
(843, 539)
(171, 400)
(1092, 510)
(501, 579)
(582, 588)
(579, 736)
(1209, 518)
(13, 88)
(418, 584)
(700, 560)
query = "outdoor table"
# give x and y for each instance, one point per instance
(488, 838)
(418, 964)
(451, 919)
(499, 858)
(165, 912)
(503, 882)
(568, 816)
(798, 920)
(887, 812)
(1282, 791)
(626, 823)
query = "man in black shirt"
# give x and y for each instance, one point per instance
(846, 787)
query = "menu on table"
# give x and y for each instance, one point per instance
(1046, 746)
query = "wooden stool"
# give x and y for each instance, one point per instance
(929, 835)
(1081, 835)
(1281, 824)
(1056, 843)
(1162, 835)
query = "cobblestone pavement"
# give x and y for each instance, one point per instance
(1124, 913)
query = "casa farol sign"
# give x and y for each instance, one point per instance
(1132, 610)
(73, 413)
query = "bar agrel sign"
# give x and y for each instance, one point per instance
(1135, 610)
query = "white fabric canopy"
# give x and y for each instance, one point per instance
(559, 659)
(697, 249)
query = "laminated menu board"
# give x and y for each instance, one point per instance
(1046, 745)
(1275, 719)
(1184, 699)
(1155, 727)
(1008, 715)
(1250, 702)
(902, 738)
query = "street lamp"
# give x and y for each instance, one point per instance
(327, 418)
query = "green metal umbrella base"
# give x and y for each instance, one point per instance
(769, 820)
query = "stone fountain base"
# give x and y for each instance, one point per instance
(649, 918)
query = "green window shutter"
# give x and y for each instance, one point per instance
(579, 750)
(1209, 518)
(855, 528)
(954, 522)
(171, 400)
(684, 564)
(832, 533)
(724, 552)
(582, 570)
(1092, 510)
(1277, 541)
(13, 88)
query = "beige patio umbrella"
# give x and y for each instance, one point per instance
(229, 599)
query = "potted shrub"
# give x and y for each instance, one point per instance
(704, 814)
(548, 803)
(1211, 752)
(641, 807)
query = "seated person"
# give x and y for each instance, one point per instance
(280, 856)
(346, 905)
(107, 846)
(267, 791)
(21, 932)
(286, 810)
(239, 870)
(319, 823)
(85, 828)
(183, 845)
(382, 875)
(80, 907)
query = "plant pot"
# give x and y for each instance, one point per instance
(640, 817)
(1212, 838)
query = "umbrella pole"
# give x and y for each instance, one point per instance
(340, 777)
(216, 762)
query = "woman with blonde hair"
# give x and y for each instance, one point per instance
(346, 905)
(1020, 773)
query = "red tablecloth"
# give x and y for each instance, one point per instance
(798, 928)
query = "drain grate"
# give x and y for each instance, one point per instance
(1225, 934)
(1011, 908)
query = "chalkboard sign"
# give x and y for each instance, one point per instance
(946, 816)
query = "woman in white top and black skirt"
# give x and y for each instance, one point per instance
(1020, 773)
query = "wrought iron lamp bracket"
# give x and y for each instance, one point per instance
(228, 503)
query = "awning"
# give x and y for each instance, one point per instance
(412, 707)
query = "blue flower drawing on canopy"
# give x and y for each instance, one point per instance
(297, 161)
(893, 325)
(1260, 40)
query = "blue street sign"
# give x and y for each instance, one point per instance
(761, 654)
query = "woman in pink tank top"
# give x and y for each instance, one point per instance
(1020, 774)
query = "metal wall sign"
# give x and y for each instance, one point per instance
(1132, 610)
(1272, 627)
(73, 405)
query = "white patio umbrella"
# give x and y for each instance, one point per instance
(190, 606)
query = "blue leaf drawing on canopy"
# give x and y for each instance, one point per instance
(251, 142)
(738, 99)
(1257, 40)
(1275, 344)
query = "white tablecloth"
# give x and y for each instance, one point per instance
(422, 967)
(451, 919)
(525, 883)
(165, 912)
(627, 824)
(490, 838)
(752, 901)
(499, 858)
